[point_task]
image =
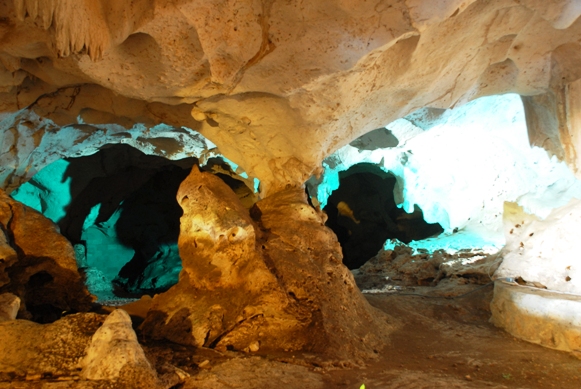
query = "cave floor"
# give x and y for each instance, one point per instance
(451, 344)
(439, 343)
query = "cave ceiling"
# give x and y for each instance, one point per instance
(276, 85)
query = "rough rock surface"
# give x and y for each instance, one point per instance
(273, 281)
(402, 267)
(363, 214)
(84, 350)
(114, 347)
(543, 252)
(30, 142)
(548, 318)
(261, 76)
(38, 264)
(9, 306)
(50, 350)
(259, 79)
(255, 372)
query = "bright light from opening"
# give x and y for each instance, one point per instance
(461, 168)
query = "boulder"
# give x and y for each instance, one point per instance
(37, 264)
(45, 350)
(114, 352)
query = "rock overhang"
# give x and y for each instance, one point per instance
(277, 86)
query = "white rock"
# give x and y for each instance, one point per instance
(113, 346)
(544, 251)
(551, 319)
(9, 305)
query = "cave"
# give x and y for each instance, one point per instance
(118, 209)
(280, 194)
(363, 214)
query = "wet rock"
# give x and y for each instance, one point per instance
(9, 305)
(38, 264)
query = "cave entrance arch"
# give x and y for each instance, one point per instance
(363, 214)
(118, 208)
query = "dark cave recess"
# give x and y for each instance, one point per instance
(123, 218)
(363, 214)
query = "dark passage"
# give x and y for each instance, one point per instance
(123, 218)
(363, 214)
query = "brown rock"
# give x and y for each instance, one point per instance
(255, 372)
(54, 349)
(9, 305)
(114, 352)
(307, 259)
(277, 280)
(38, 264)
(264, 76)
(86, 349)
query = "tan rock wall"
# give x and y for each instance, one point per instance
(571, 137)
(280, 85)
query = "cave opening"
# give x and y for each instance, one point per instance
(363, 213)
(118, 208)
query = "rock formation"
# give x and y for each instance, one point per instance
(9, 306)
(38, 264)
(268, 279)
(260, 77)
(114, 348)
(543, 251)
(53, 350)
(362, 213)
(277, 86)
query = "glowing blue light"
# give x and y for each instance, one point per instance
(48, 191)
(92, 216)
(461, 167)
